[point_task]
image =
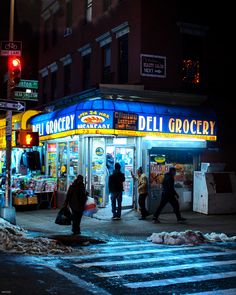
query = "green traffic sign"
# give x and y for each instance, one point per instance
(25, 95)
(31, 84)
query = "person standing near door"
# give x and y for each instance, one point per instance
(142, 190)
(115, 185)
(169, 195)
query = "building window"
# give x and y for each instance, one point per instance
(192, 61)
(190, 72)
(44, 89)
(123, 59)
(67, 79)
(106, 4)
(46, 35)
(89, 4)
(106, 64)
(69, 14)
(86, 71)
(55, 29)
(53, 85)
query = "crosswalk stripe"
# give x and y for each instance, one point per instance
(129, 246)
(163, 269)
(129, 253)
(216, 292)
(174, 281)
(156, 259)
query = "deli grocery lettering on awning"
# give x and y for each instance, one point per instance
(124, 123)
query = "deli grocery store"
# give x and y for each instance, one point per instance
(91, 136)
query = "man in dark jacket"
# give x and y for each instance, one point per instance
(169, 195)
(76, 198)
(116, 188)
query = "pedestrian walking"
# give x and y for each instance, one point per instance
(76, 198)
(115, 184)
(142, 190)
(169, 195)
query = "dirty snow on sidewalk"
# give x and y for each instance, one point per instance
(14, 239)
(189, 237)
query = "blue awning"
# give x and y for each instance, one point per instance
(128, 106)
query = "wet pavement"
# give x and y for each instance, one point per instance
(136, 267)
(114, 257)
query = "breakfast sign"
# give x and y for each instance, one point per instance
(113, 122)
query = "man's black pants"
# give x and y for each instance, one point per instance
(168, 199)
(142, 204)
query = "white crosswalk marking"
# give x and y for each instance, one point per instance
(139, 252)
(175, 281)
(142, 266)
(164, 269)
(156, 259)
(216, 292)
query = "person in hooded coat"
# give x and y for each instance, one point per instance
(115, 184)
(76, 198)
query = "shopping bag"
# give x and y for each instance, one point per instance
(90, 207)
(64, 216)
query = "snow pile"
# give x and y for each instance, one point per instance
(188, 237)
(13, 239)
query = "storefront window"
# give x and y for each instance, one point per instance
(52, 155)
(160, 162)
(62, 166)
(73, 160)
(99, 172)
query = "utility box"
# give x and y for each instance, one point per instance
(214, 192)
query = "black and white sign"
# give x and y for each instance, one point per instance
(9, 105)
(152, 66)
(10, 48)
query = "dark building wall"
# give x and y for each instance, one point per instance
(154, 29)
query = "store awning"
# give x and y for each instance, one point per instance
(106, 116)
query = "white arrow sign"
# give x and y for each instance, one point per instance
(12, 105)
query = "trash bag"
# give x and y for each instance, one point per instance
(90, 207)
(64, 216)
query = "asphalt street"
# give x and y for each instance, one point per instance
(136, 267)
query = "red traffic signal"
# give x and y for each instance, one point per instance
(14, 68)
(26, 138)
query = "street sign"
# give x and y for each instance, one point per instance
(26, 95)
(31, 84)
(10, 48)
(9, 105)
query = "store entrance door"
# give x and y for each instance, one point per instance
(125, 157)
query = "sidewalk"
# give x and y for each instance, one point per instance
(41, 222)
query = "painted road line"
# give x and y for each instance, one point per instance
(89, 288)
(183, 280)
(129, 253)
(128, 246)
(216, 292)
(156, 259)
(164, 269)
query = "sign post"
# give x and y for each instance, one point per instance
(8, 211)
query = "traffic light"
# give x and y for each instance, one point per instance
(14, 68)
(26, 138)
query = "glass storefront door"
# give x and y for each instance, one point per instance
(125, 157)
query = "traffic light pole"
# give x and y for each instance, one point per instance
(8, 211)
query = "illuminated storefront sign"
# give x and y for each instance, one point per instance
(94, 120)
(141, 121)
(169, 124)
(56, 125)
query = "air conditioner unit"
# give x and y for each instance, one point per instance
(67, 32)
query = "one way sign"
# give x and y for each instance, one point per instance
(9, 105)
